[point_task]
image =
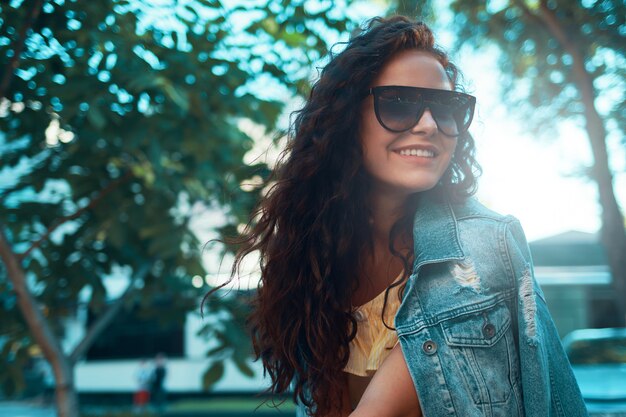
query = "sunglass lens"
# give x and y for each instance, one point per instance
(399, 109)
(446, 122)
(453, 113)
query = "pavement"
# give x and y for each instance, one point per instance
(18, 409)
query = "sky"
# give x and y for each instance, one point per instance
(534, 179)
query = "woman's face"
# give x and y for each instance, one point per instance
(414, 160)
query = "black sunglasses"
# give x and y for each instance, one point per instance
(399, 108)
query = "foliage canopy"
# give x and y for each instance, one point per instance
(119, 119)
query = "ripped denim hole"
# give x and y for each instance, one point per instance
(464, 273)
(529, 306)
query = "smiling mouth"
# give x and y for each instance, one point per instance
(424, 153)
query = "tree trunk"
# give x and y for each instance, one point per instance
(612, 233)
(66, 398)
(62, 364)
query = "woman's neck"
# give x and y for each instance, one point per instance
(386, 209)
(380, 267)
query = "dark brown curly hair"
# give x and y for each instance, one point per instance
(311, 228)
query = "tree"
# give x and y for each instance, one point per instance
(560, 59)
(118, 118)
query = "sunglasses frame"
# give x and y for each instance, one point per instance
(428, 92)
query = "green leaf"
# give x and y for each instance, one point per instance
(157, 229)
(178, 96)
(212, 375)
(215, 350)
(96, 117)
(243, 367)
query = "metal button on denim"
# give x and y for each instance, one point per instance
(489, 330)
(429, 347)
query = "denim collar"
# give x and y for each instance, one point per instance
(435, 231)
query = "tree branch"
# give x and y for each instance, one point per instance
(585, 81)
(107, 317)
(37, 323)
(93, 203)
(14, 63)
(522, 5)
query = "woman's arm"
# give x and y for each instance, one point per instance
(391, 392)
(548, 382)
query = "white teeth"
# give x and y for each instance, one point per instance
(417, 152)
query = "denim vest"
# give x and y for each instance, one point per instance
(474, 327)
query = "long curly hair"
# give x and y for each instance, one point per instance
(311, 228)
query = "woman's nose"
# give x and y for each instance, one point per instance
(426, 125)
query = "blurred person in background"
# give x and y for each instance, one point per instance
(158, 394)
(386, 289)
(143, 378)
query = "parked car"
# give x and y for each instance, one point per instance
(598, 358)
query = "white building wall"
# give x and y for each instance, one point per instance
(183, 374)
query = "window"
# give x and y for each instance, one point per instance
(134, 334)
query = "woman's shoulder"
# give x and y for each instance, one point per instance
(472, 208)
(481, 230)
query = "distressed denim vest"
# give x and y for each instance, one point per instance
(474, 327)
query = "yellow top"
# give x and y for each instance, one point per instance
(373, 341)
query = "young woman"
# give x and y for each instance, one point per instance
(386, 290)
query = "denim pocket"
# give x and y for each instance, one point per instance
(482, 346)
